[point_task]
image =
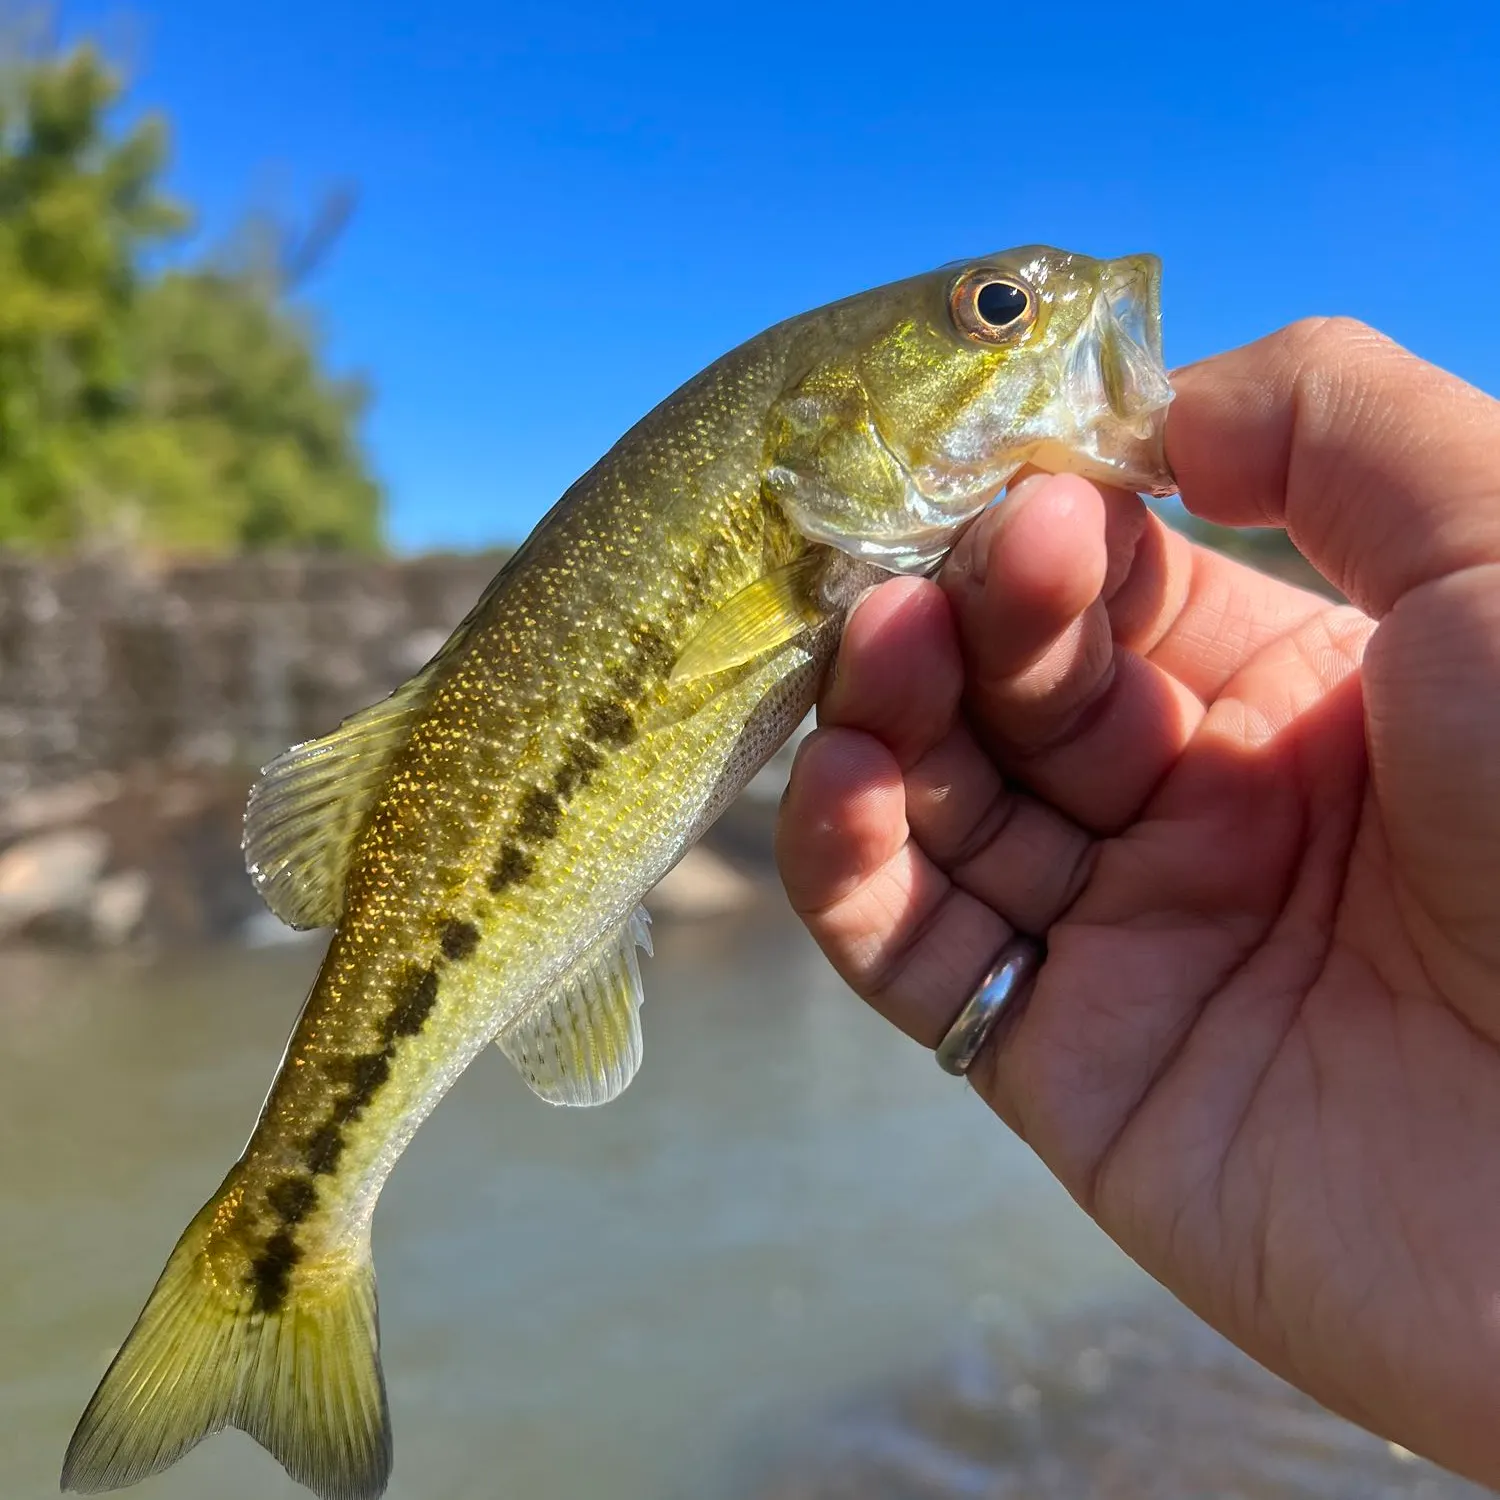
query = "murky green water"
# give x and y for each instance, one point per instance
(790, 1203)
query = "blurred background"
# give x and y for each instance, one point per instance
(307, 314)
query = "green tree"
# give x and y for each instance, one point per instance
(76, 211)
(238, 439)
(186, 408)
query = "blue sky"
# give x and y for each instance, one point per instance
(566, 209)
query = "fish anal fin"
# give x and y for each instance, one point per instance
(303, 1380)
(584, 1045)
(762, 616)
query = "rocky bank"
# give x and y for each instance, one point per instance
(138, 697)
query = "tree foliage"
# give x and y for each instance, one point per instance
(183, 408)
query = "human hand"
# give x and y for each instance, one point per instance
(1261, 836)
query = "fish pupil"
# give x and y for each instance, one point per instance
(1000, 303)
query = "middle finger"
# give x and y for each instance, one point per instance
(899, 679)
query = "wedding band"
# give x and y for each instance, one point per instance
(1009, 977)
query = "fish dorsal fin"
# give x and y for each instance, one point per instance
(768, 613)
(309, 804)
(584, 1044)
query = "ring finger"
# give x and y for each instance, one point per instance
(899, 845)
(900, 679)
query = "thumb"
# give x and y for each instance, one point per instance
(1381, 467)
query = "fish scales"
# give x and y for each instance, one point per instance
(481, 841)
(533, 745)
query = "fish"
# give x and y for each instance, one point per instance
(481, 840)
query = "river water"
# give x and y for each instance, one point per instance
(790, 1204)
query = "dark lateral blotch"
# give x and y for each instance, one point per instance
(580, 762)
(271, 1271)
(511, 867)
(413, 1005)
(324, 1147)
(656, 653)
(538, 815)
(608, 723)
(459, 939)
(292, 1198)
(627, 681)
(366, 1074)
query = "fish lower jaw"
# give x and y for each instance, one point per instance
(1141, 477)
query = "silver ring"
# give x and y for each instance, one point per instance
(1009, 977)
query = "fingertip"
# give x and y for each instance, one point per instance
(899, 674)
(843, 816)
(1031, 566)
(894, 605)
(1049, 554)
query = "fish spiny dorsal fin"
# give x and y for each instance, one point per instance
(584, 1044)
(308, 806)
(768, 613)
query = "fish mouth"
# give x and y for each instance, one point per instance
(1114, 391)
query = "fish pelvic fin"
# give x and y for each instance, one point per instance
(303, 1380)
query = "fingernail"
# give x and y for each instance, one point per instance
(1027, 486)
(969, 560)
(832, 675)
(966, 562)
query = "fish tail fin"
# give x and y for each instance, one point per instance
(303, 1379)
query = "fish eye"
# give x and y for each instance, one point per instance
(992, 308)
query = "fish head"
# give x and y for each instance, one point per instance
(919, 401)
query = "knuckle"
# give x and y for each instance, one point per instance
(1332, 359)
(1051, 705)
(1319, 342)
(970, 844)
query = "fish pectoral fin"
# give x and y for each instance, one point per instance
(770, 612)
(584, 1044)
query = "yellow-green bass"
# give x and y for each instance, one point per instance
(481, 840)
